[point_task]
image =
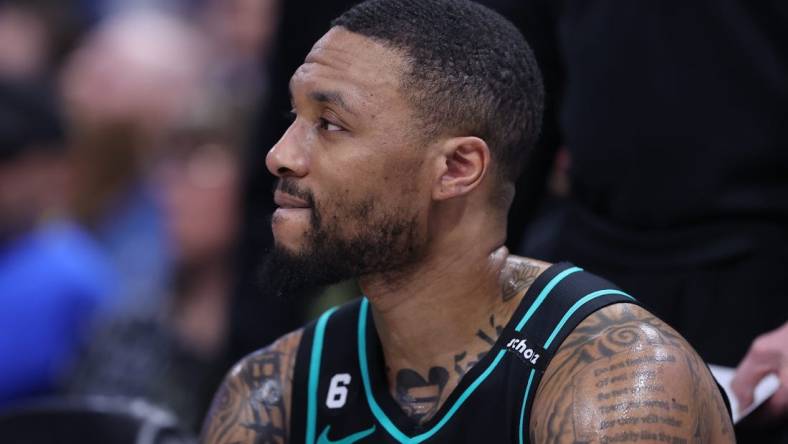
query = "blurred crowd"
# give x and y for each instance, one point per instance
(122, 129)
(134, 200)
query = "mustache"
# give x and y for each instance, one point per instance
(288, 185)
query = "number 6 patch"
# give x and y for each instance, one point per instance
(337, 390)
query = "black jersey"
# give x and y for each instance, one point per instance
(341, 394)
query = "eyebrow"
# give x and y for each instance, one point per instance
(328, 97)
(332, 98)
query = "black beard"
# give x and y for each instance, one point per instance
(384, 242)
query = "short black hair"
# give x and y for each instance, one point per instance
(30, 119)
(470, 70)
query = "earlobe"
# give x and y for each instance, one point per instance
(464, 164)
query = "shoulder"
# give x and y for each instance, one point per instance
(253, 402)
(624, 375)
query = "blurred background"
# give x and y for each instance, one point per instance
(125, 129)
(135, 203)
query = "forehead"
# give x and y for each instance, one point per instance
(360, 69)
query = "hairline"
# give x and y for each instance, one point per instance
(427, 127)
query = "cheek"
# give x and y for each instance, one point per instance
(405, 190)
(343, 207)
(409, 173)
(353, 182)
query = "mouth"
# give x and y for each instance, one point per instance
(289, 202)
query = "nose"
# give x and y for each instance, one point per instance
(288, 156)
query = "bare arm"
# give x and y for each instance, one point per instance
(253, 403)
(625, 376)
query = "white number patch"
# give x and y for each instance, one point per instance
(337, 391)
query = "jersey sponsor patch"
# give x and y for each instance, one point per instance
(526, 351)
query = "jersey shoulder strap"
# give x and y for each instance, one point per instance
(562, 297)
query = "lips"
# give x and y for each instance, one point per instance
(288, 201)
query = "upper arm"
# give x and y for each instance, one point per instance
(625, 376)
(253, 402)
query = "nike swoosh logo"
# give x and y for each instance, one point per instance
(323, 438)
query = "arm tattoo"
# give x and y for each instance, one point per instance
(252, 404)
(624, 376)
(517, 277)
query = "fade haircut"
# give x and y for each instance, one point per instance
(470, 71)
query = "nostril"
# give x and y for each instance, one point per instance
(282, 171)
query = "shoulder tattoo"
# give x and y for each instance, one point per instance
(253, 402)
(625, 376)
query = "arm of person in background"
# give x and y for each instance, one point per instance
(767, 354)
(253, 403)
(625, 376)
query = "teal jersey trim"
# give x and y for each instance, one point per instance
(543, 295)
(314, 375)
(585, 299)
(375, 407)
(576, 306)
(471, 388)
(526, 317)
(525, 400)
(386, 422)
(364, 367)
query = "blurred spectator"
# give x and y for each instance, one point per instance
(23, 42)
(158, 131)
(201, 205)
(674, 117)
(53, 276)
(34, 36)
(126, 87)
(240, 35)
(97, 11)
(173, 357)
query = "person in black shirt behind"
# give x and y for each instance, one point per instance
(674, 117)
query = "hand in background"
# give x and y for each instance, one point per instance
(767, 354)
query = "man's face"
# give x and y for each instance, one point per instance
(354, 182)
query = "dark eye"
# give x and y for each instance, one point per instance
(324, 124)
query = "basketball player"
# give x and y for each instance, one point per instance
(411, 121)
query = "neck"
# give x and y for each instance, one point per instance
(440, 299)
(436, 320)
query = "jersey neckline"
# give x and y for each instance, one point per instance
(385, 408)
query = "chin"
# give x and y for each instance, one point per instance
(288, 229)
(293, 246)
(289, 241)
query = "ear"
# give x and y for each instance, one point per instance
(462, 165)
